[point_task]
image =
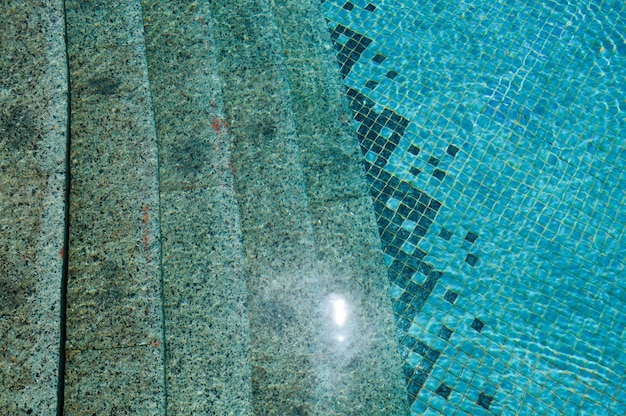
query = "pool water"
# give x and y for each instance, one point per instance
(493, 135)
(305, 207)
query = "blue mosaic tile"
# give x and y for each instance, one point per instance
(493, 139)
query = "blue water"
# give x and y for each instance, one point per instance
(494, 135)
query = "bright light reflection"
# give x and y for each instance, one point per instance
(340, 311)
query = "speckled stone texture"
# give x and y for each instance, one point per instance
(347, 246)
(308, 231)
(210, 236)
(204, 285)
(33, 121)
(114, 306)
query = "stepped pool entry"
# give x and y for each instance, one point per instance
(313, 207)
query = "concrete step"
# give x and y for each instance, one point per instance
(33, 125)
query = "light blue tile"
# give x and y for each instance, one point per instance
(544, 241)
(418, 407)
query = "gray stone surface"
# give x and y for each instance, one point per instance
(33, 127)
(114, 300)
(103, 23)
(347, 244)
(204, 286)
(308, 231)
(350, 264)
(114, 381)
(277, 233)
(329, 149)
(212, 234)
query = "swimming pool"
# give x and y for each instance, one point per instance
(305, 207)
(493, 136)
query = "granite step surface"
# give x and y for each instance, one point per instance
(114, 346)
(33, 127)
(207, 334)
(321, 329)
(223, 256)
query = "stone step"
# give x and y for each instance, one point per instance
(341, 208)
(114, 345)
(321, 327)
(33, 125)
(223, 255)
(204, 286)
